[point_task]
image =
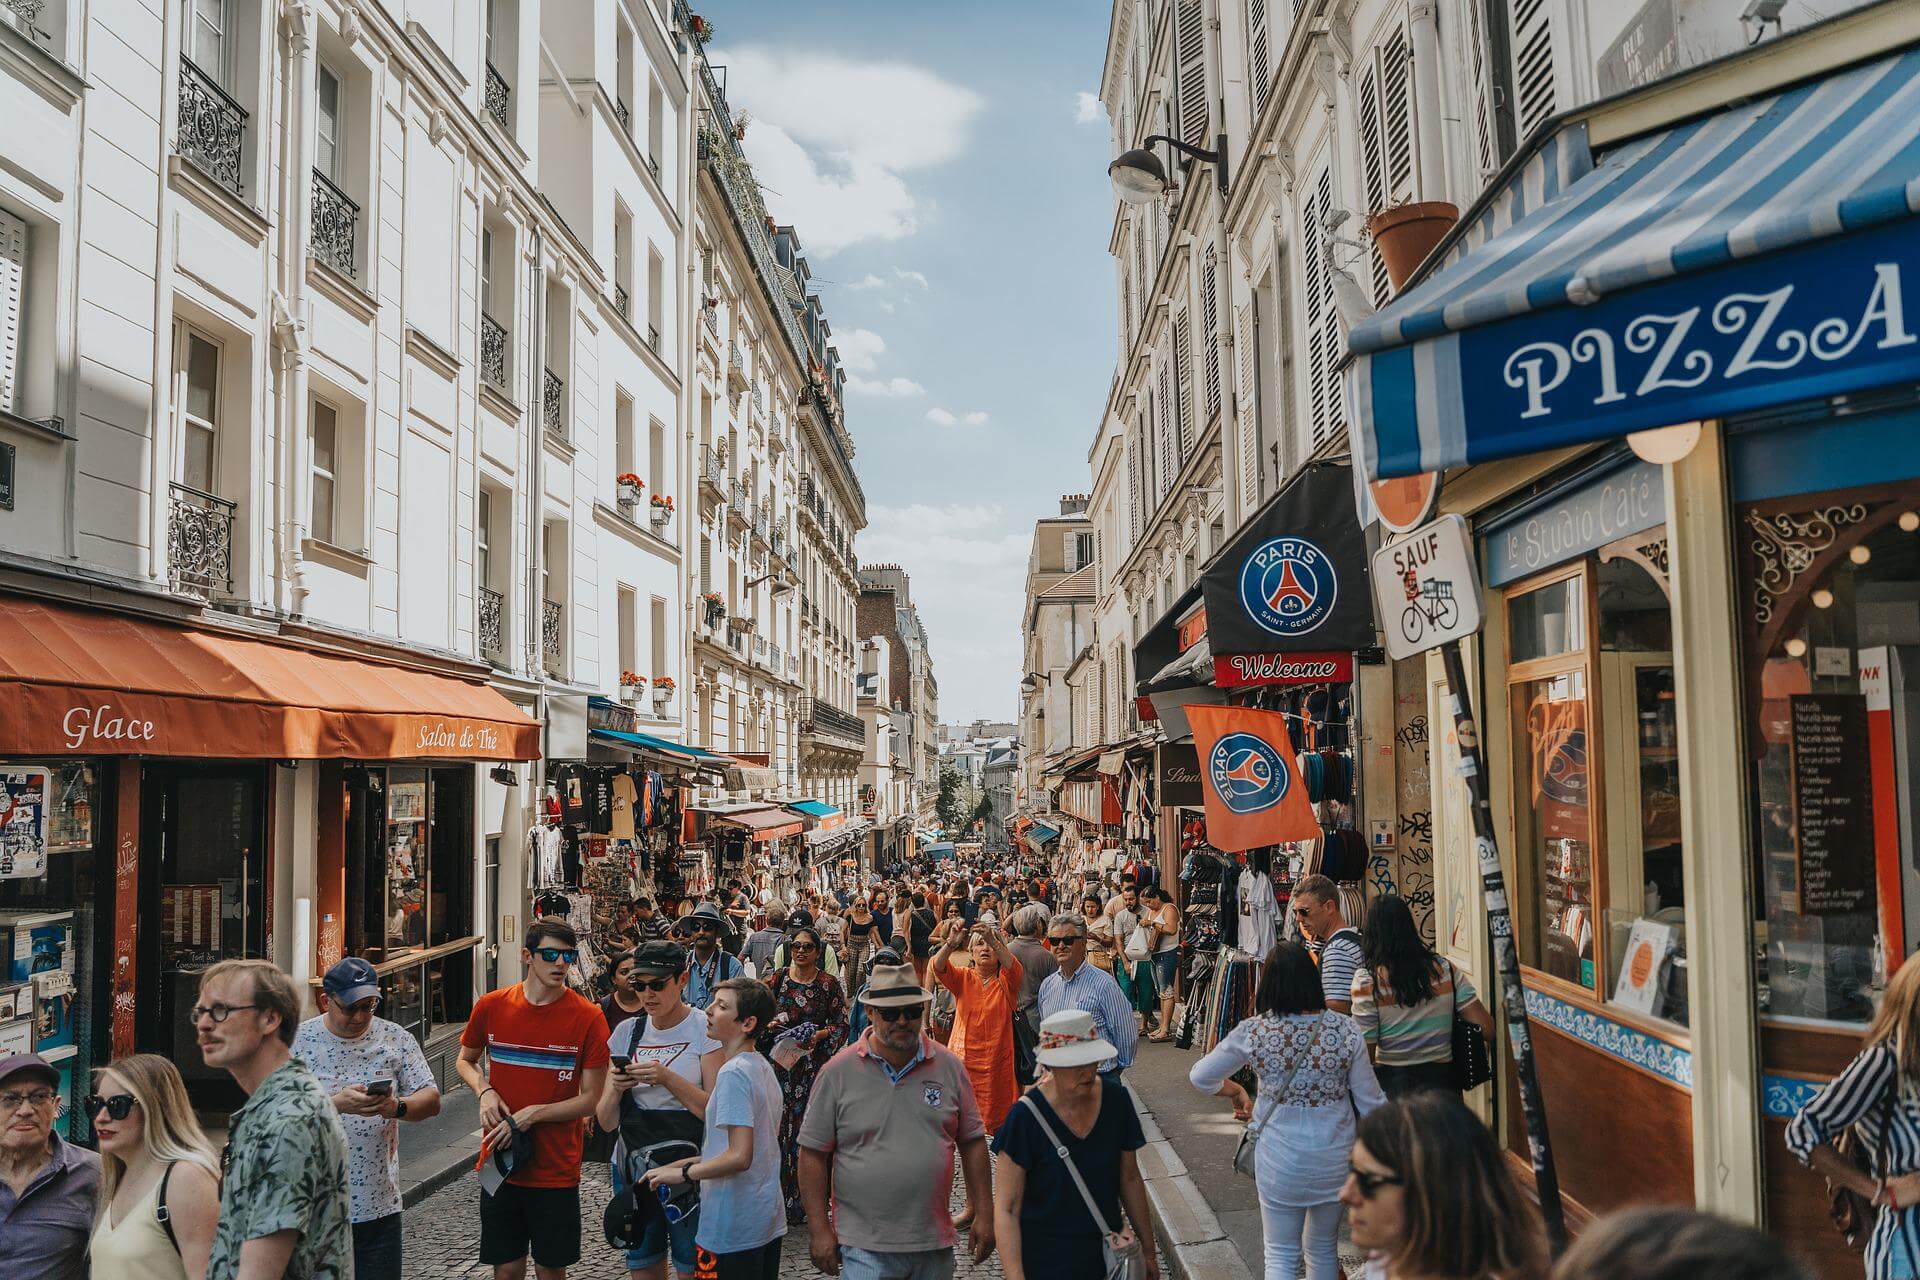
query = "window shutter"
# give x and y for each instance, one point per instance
(13, 276)
(1533, 71)
(1169, 449)
(1140, 270)
(1259, 59)
(706, 564)
(1210, 331)
(1126, 303)
(1133, 485)
(1484, 125)
(1244, 344)
(1190, 69)
(1182, 372)
(1386, 138)
(1325, 414)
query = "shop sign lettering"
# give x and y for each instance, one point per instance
(1609, 508)
(1232, 670)
(102, 725)
(442, 738)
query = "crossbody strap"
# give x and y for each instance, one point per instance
(1256, 1125)
(1060, 1149)
(160, 1212)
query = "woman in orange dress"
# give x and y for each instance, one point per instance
(984, 997)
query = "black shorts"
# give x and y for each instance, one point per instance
(541, 1221)
(749, 1264)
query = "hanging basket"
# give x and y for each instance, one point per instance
(1407, 233)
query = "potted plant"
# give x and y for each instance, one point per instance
(702, 29)
(629, 486)
(660, 508)
(713, 608)
(662, 690)
(1405, 234)
(631, 682)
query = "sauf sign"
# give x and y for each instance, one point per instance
(1829, 317)
(1424, 588)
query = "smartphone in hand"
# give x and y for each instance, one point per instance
(379, 1088)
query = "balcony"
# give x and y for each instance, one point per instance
(623, 115)
(623, 302)
(653, 338)
(759, 399)
(738, 508)
(736, 368)
(760, 647)
(777, 539)
(760, 521)
(490, 621)
(493, 354)
(553, 404)
(199, 543)
(710, 316)
(821, 719)
(653, 167)
(24, 16)
(335, 227)
(213, 127)
(712, 473)
(552, 628)
(499, 98)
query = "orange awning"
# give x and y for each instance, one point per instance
(763, 825)
(79, 681)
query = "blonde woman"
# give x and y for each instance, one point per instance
(159, 1178)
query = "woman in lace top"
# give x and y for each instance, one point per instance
(1313, 1072)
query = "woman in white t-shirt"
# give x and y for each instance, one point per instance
(742, 1219)
(663, 1071)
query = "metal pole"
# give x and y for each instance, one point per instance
(1473, 769)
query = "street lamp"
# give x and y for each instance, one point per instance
(1140, 178)
(780, 588)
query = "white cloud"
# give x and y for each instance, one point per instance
(1086, 108)
(941, 417)
(868, 281)
(948, 418)
(969, 567)
(829, 162)
(859, 349)
(975, 418)
(911, 277)
(894, 388)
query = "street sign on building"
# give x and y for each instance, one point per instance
(1425, 589)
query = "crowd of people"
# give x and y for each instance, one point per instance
(829, 1065)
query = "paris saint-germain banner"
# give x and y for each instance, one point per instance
(1249, 782)
(1295, 577)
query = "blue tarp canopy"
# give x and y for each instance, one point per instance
(647, 742)
(1040, 833)
(1749, 258)
(813, 808)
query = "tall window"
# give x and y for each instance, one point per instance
(327, 141)
(656, 304)
(326, 434)
(483, 539)
(656, 122)
(206, 23)
(628, 606)
(623, 444)
(656, 456)
(201, 423)
(658, 634)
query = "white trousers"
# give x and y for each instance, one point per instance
(1288, 1232)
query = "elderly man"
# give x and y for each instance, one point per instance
(1079, 985)
(887, 1116)
(47, 1185)
(1036, 962)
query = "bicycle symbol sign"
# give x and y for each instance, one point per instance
(1425, 588)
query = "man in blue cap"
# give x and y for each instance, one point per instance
(377, 1076)
(47, 1186)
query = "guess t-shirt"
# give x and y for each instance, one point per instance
(650, 1113)
(535, 1054)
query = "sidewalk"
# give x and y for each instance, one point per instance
(436, 1152)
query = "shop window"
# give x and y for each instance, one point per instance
(1596, 777)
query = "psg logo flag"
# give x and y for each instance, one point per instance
(1249, 782)
(1294, 578)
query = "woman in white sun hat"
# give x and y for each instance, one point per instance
(1051, 1215)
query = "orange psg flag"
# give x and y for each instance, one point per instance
(1252, 787)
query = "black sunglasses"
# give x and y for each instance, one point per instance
(119, 1105)
(652, 984)
(904, 1013)
(1370, 1183)
(1063, 939)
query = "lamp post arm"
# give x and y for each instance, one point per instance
(1216, 157)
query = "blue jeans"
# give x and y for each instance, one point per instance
(871, 1264)
(376, 1248)
(659, 1238)
(1166, 971)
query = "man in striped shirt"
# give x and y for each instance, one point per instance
(1316, 905)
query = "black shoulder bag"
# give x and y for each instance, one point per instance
(1472, 1059)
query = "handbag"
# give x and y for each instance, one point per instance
(1120, 1251)
(1026, 1048)
(1245, 1153)
(1472, 1057)
(1140, 943)
(1851, 1213)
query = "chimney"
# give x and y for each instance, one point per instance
(1074, 504)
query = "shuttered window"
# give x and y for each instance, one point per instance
(1259, 55)
(1245, 345)
(1536, 94)
(1210, 331)
(1325, 418)
(1482, 122)
(1182, 375)
(1143, 273)
(1385, 105)
(1190, 69)
(1133, 486)
(13, 278)
(1169, 450)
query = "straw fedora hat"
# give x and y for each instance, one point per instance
(1070, 1038)
(892, 986)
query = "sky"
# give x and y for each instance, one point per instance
(947, 180)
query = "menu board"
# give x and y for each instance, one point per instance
(1832, 806)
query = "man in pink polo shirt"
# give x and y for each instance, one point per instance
(887, 1115)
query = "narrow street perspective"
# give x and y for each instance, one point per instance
(1415, 503)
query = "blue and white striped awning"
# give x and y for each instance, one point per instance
(1756, 256)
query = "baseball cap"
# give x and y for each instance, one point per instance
(20, 1063)
(660, 957)
(351, 981)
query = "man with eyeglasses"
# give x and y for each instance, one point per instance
(377, 1077)
(546, 1064)
(889, 1113)
(710, 964)
(1079, 985)
(284, 1211)
(48, 1186)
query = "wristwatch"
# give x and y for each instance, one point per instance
(400, 1109)
(687, 1172)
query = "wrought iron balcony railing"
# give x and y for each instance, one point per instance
(712, 472)
(493, 354)
(623, 115)
(653, 337)
(213, 127)
(199, 542)
(499, 98)
(553, 404)
(823, 719)
(710, 316)
(622, 302)
(336, 225)
(490, 623)
(552, 620)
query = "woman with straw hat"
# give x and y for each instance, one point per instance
(1065, 1163)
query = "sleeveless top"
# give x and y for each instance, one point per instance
(137, 1248)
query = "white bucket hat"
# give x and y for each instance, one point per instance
(1070, 1038)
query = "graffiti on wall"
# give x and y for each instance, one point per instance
(1413, 834)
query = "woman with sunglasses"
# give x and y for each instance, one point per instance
(1314, 1073)
(863, 939)
(804, 996)
(153, 1157)
(1430, 1196)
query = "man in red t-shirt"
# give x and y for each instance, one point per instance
(546, 1052)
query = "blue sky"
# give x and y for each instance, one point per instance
(949, 184)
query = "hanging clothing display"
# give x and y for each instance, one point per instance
(1258, 915)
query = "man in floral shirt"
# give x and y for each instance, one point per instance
(283, 1201)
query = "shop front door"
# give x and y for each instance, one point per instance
(205, 829)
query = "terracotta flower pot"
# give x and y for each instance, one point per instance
(1407, 233)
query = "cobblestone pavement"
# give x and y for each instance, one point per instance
(443, 1234)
